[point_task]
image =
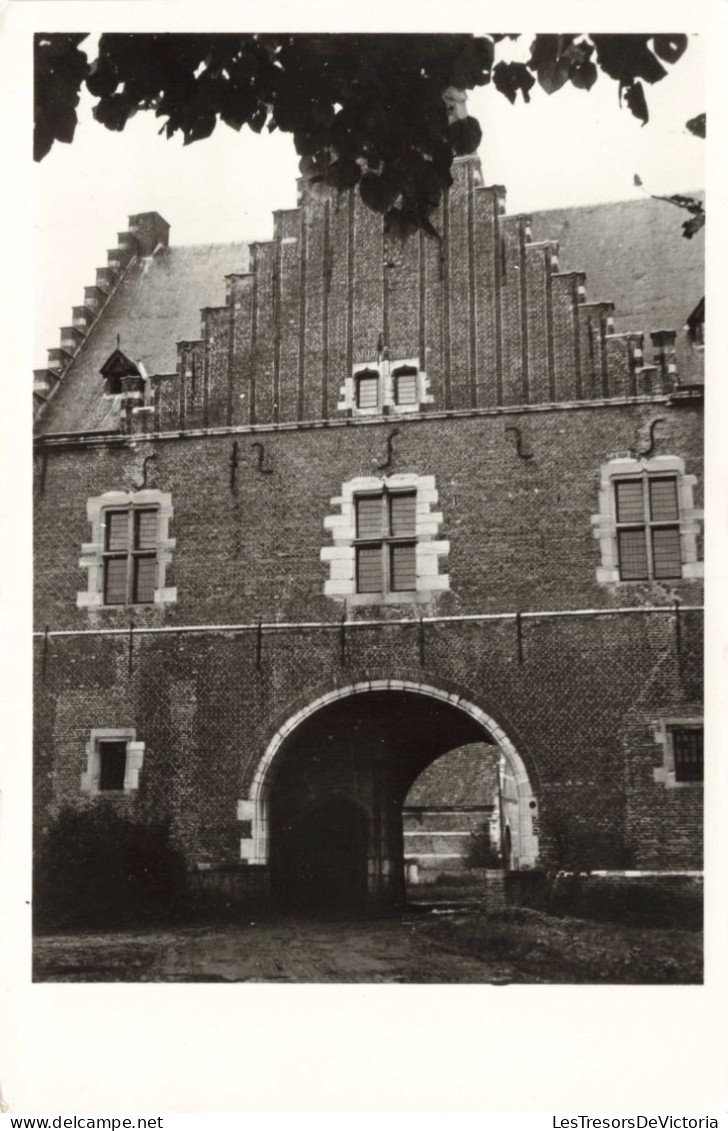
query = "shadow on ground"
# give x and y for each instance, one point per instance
(423, 945)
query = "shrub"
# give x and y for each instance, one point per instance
(630, 903)
(95, 868)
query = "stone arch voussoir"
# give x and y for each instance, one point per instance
(253, 808)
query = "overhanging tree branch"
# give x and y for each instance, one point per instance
(380, 112)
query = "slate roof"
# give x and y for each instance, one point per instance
(156, 305)
(466, 777)
(633, 254)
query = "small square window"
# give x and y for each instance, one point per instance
(687, 749)
(682, 752)
(113, 762)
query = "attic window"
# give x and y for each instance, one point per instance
(117, 366)
(367, 388)
(405, 385)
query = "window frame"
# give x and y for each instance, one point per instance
(92, 552)
(430, 547)
(647, 525)
(664, 734)
(134, 760)
(107, 771)
(605, 524)
(132, 553)
(386, 371)
(369, 377)
(398, 373)
(386, 541)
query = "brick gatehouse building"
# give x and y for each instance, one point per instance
(395, 499)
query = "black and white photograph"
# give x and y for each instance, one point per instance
(355, 682)
(369, 540)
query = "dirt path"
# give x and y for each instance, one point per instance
(292, 950)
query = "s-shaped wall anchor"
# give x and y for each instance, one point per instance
(387, 463)
(645, 453)
(519, 442)
(141, 486)
(261, 457)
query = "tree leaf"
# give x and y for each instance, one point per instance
(697, 125)
(59, 71)
(627, 58)
(583, 75)
(398, 225)
(465, 135)
(377, 193)
(692, 226)
(553, 75)
(634, 96)
(113, 111)
(510, 78)
(670, 47)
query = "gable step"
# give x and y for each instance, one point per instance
(94, 298)
(71, 337)
(106, 278)
(83, 318)
(59, 359)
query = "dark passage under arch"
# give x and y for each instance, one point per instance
(321, 862)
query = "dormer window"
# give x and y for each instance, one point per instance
(116, 367)
(367, 388)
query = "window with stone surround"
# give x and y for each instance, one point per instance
(385, 546)
(682, 750)
(367, 388)
(647, 524)
(113, 761)
(386, 542)
(385, 386)
(130, 555)
(405, 385)
(129, 551)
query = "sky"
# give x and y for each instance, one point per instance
(571, 148)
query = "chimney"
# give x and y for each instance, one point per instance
(150, 230)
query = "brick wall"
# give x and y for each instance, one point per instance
(485, 310)
(579, 703)
(519, 529)
(500, 333)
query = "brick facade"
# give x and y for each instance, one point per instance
(532, 392)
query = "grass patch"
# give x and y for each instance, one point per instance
(533, 946)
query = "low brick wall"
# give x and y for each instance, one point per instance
(228, 887)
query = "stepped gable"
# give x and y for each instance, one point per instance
(492, 315)
(155, 303)
(464, 778)
(634, 254)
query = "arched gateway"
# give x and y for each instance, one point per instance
(324, 810)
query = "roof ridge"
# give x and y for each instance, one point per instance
(209, 243)
(699, 193)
